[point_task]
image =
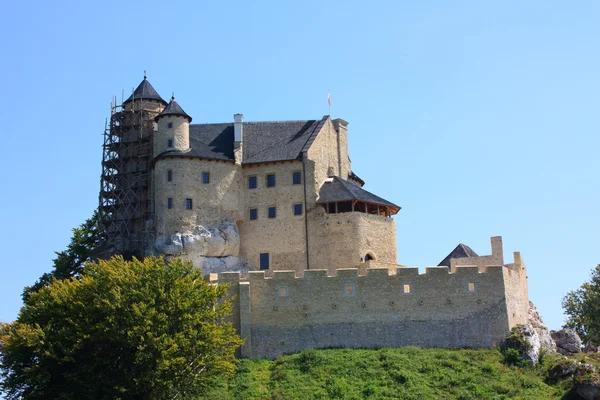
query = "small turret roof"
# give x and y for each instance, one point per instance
(173, 109)
(460, 251)
(145, 91)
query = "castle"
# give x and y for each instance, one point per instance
(275, 210)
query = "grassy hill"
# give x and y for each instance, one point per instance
(405, 373)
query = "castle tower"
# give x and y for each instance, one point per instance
(127, 152)
(173, 129)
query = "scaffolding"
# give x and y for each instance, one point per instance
(124, 204)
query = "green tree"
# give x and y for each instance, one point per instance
(87, 241)
(123, 330)
(582, 307)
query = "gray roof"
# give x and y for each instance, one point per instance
(145, 91)
(461, 251)
(262, 141)
(339, 189)
(173, 108)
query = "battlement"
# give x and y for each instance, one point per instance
(472, 306)
(376, 272)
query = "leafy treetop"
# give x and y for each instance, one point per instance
(123, 330)
(582, 307)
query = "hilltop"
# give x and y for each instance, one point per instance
(404, 373)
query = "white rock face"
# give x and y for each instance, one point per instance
(221, 240)
(526, 340)
(214, 248)
(221, 264)
(535, 320)
(170, 245)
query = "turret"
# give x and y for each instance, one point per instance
(147, 94)
(173, 129)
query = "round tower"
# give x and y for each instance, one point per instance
(173, 132)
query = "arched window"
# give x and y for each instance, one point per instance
(369, 257)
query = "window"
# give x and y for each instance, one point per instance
(297, 209)
(170, 143)
(272, 212)
(253, 213)
(349, 290)
(270, 180)
(205, 177)
(368, 257)
(264, 260)
(170, 203)
(471, 287)
(406, 288)
(297, 178)
(282, 291)
(170, 125)
(188, 204)
(169, 175)
(252, 182)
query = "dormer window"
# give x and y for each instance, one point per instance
(170, 125)
(170, 143)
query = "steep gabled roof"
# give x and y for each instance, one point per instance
(173, 108)
(338, 189)
(276, 141)
(145, 91)
(263, 141)
(461, 251)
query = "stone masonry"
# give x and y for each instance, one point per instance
(275, 209)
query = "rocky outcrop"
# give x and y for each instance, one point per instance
(215, 265)
(221, 240)
(547, 344)
(586, 382)
(214, 241)
(563, 369)
(526, 341)
(169, 245)
(567, 341)
(590, 348)
(213, 248)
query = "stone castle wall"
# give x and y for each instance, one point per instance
(285, 313)
(212, 203)
(343, 240)
(283, 237)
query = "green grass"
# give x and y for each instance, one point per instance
(405, 373)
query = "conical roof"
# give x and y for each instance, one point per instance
(173, 109)
(145, 91)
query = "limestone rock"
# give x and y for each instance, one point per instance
(170, 245)
(562, 370)
(590, 348)
(535, 320)
(221, 240)
(567, 341)
(526, 341)
(587, 382)
(221, 264)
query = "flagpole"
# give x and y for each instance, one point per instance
(329, 100)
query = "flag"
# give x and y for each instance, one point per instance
(329, 98)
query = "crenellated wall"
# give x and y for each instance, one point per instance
(285, 313)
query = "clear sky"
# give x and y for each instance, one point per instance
(478, 118)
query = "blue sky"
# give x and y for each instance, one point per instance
(478, 118)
